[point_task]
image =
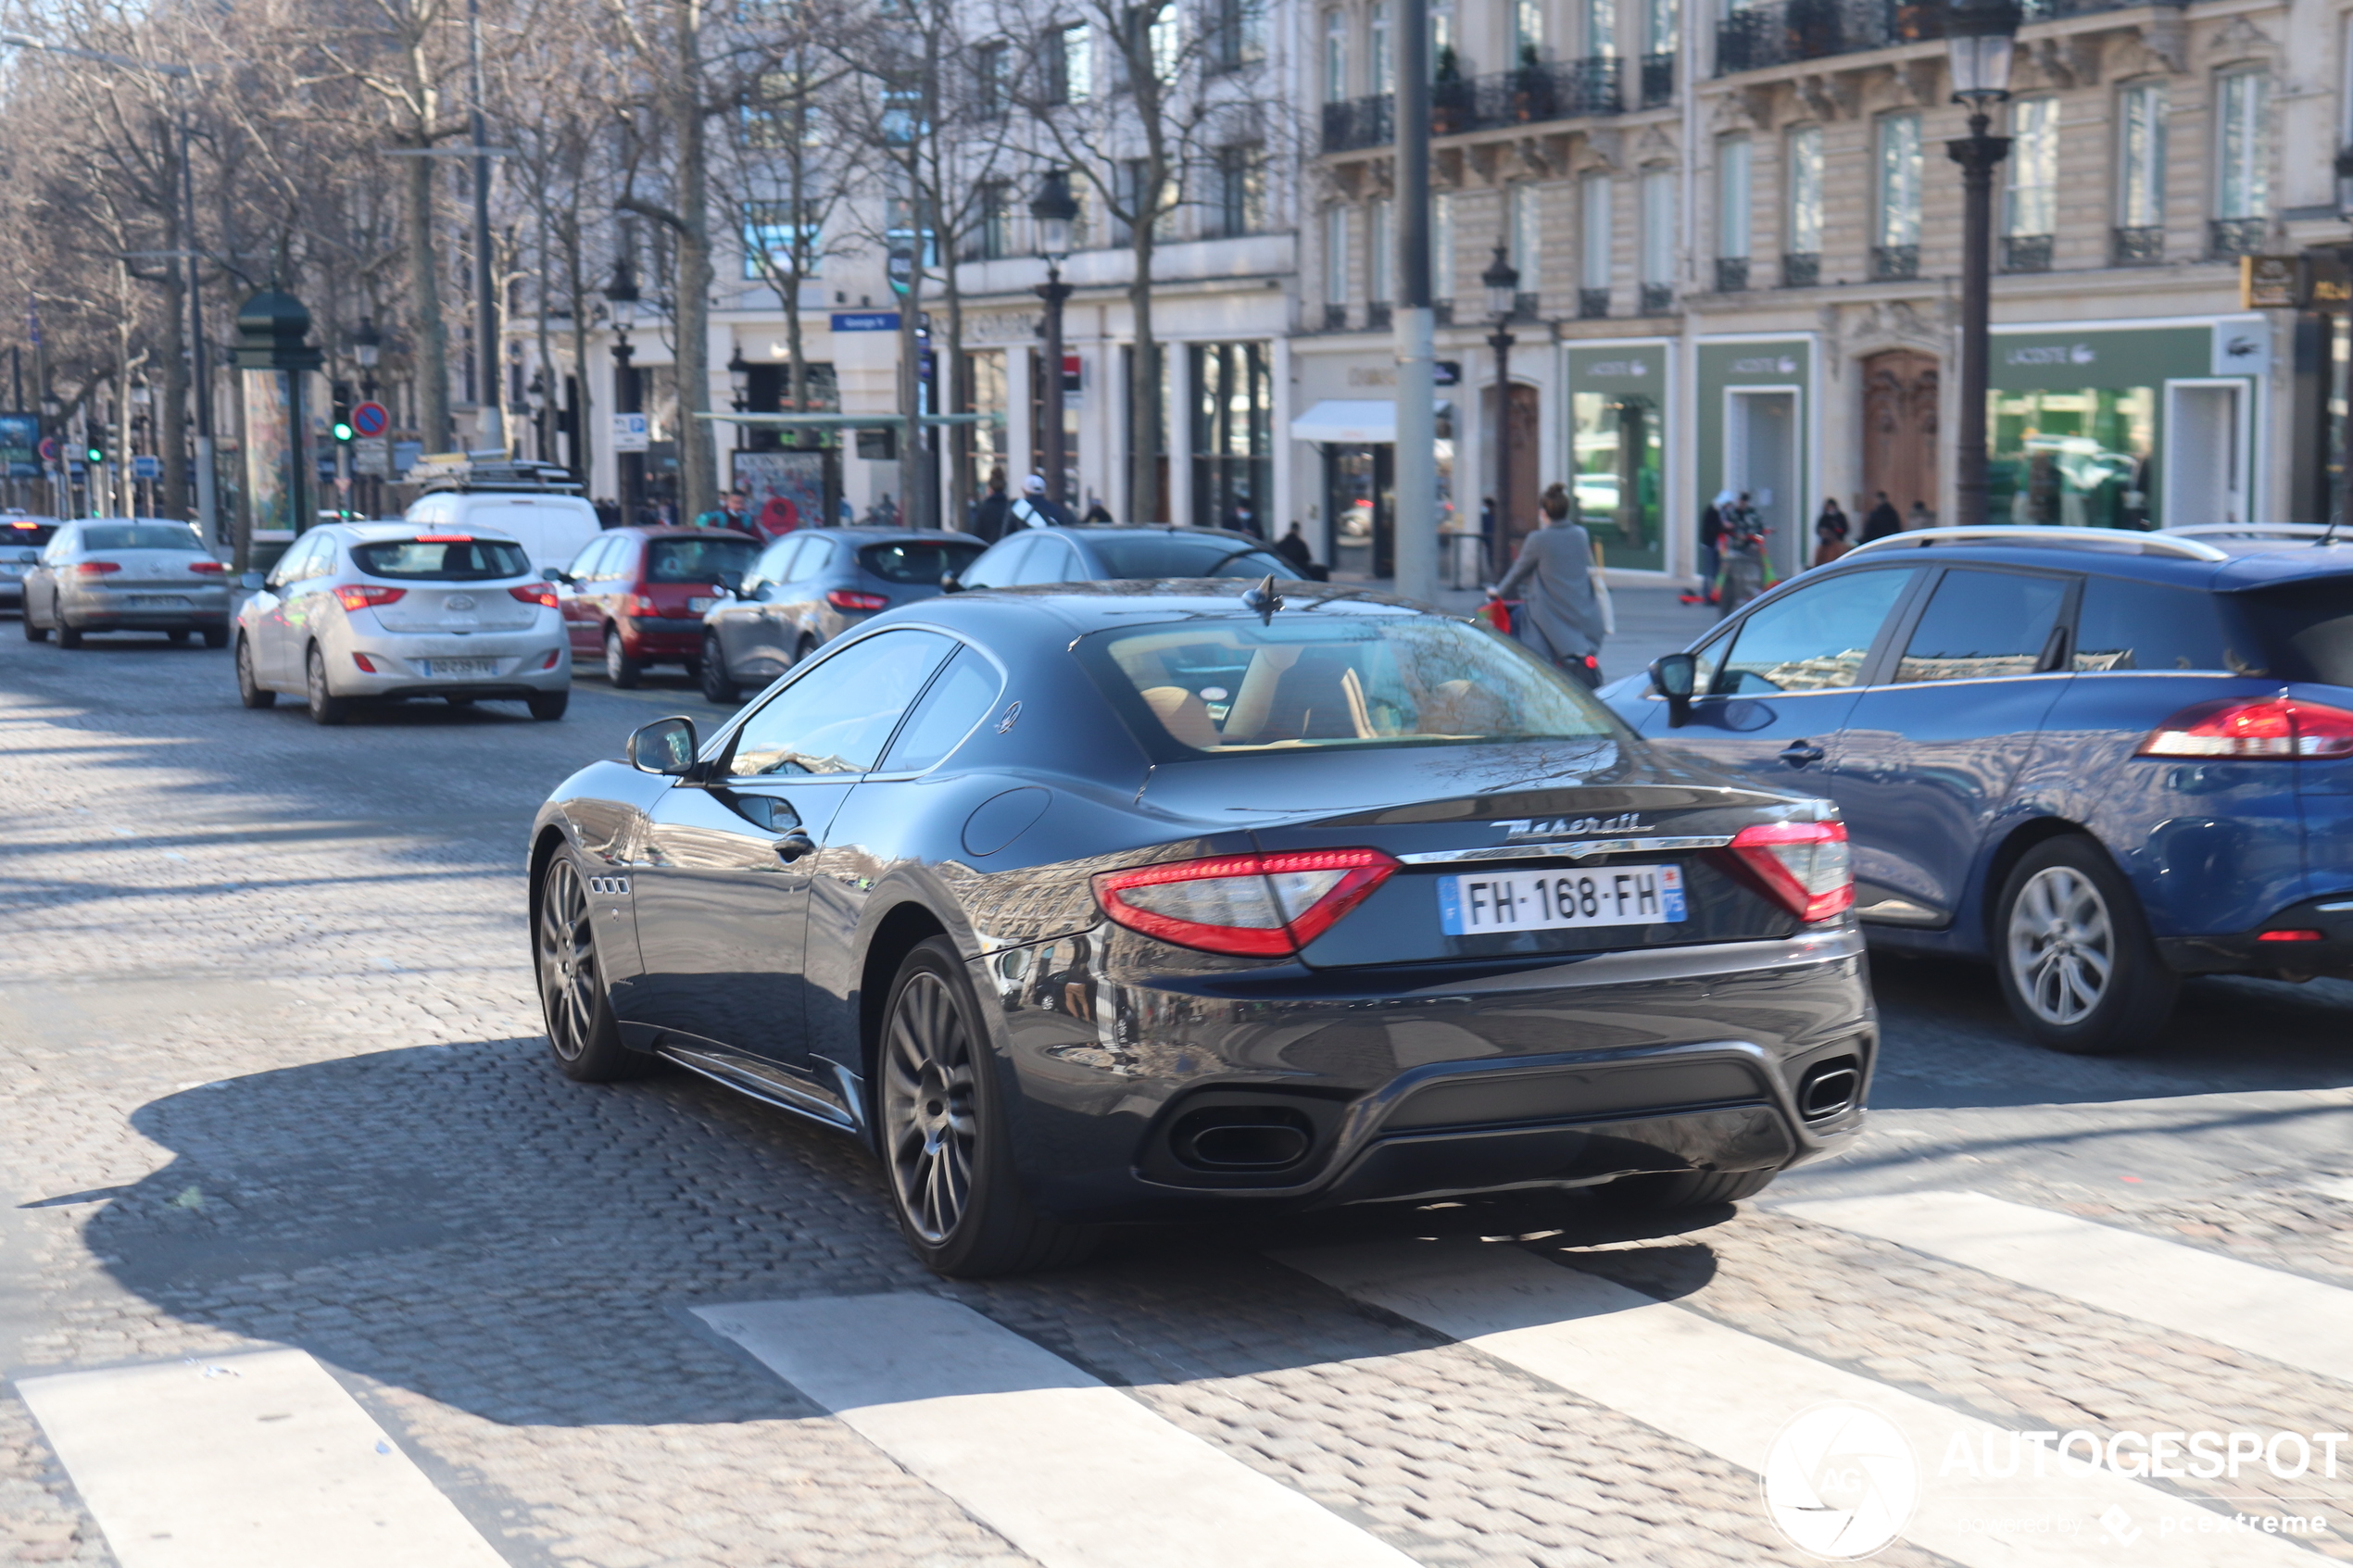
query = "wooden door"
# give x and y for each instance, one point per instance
(1526, 432)
(1899, 430)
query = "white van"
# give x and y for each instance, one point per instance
(551, 528)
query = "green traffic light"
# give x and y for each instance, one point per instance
(342, 430)
(96, 453)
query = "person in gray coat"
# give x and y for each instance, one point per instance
(1559, 619)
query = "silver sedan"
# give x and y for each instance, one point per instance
(366, 612)
(126, 574)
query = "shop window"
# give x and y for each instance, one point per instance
(1233, 435)
(1617, 481)
(2080, 459)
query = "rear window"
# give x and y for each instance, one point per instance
(918, 560)
(1175, 555)
(24, 530)
(699, 561)
(2130, 625)
(1230, 686)
(2303, 628)
(141, 536)
(468, 560)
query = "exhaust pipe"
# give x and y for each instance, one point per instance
(1236, 1138)
(1829, 1089)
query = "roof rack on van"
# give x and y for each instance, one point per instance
(491, 470)
(2168, 544)
(2256, 530)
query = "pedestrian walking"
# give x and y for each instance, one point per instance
(734, 510)
(1743, 546)
(1711, 554)
(1560, 615)
(1830, 533)
(1032, 510)
(990, 513)
(1884, 519)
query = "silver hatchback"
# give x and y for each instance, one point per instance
(126, 574)
(383, 612)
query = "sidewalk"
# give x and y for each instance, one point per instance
(1650, 621)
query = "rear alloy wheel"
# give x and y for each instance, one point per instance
(549, 707)
(718, 687)
(325, 706)
(2077, 965)
(623, 668)
(250, 692)
(581, 1028)
(944, 1137)
(1686, 1189)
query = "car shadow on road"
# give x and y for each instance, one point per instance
(460, 1221)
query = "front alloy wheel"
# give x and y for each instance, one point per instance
(571, 991)
(2077, 964)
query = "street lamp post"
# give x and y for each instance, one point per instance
(1502, 280)
(1977, 39)
(621, 300)
(739, 390)
(1054, 210)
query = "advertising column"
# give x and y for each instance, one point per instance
(1618, 416)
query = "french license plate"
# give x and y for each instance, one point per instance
(451, 669)
(701, 604)
(1487, 902)
(158, 601)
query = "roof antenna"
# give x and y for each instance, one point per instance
(1265, 600)
(2329, 537)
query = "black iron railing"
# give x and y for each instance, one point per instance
(1658, 80)
(2228, 237)
(1801, 270)
(1732, 274)
(1657, 298)
(1593, 304)
(2140, 247)
(1780, 31)
(1896, 264)
(1335, 318)
(1377, 316)
(2026, 253)
(1532, 93)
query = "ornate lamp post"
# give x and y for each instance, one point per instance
(621, 303)
(1978, 39)
(1501, 280)
(739, 389)
(368, 349)
(1055, 209)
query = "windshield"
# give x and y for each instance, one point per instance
(699, 561)
(466, 560)
(141, 536)
(1174, 555)
(1231, 686)
(918, 560)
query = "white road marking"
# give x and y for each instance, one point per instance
(1073, 1472)
(1730, 1393)
(2283, 1317)
(252, 1461)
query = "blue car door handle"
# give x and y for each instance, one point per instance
(1798, 753)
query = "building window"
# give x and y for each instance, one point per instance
(1242, 190)
(995, 64)
(1600, 29)
(1233, 435)
(1238, 36)
(1381, 242)
(1335, 56)
(2243, 159)
(2140, 206)
(1384, 61)
(1071, 65)
(1442, 43)
(1658, 240)
(1897, 253)
(1662, 26)
(1441, 246)
(1527, 32)
(996, 227)
(1593, 270)
(1733, 201)
(1524, 220)
(898, 234)
(1804, 176)
(1336, 265)
(767, 232)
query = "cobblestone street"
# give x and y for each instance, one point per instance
(274, 1080)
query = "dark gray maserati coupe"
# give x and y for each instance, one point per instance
(1102, 903)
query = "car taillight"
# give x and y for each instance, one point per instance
(364, 662)
(97, 567)
(844, 598)
(360, 595)
(1804, 865)
(637, 604)
(1256, 906)
(444, 538)
(2253, 727)
(536, 593)
(209, 567)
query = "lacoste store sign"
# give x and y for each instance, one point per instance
(2072, 361)
(1619, 369)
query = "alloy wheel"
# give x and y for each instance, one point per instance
(929, 1119)
(567, 961)
(2062, 944)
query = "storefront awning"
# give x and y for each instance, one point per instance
(1351, 421)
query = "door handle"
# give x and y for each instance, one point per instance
(793, 845)
(1798, 753)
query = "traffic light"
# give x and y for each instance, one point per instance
(341, 425)
(93, 455)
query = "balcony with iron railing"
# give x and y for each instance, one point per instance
(1894, 264)
(2026, 253)
(2229, 237)
(1801, 268)
(2142, 247)
(1531, 94)
(1732, 274)
(1592, 305)
(1783, 32)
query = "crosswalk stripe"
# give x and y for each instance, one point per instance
(2283, 1317)
(258, 1460)
(1068, 1469)
(1729, 1394)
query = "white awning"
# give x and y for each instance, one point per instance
(1351, 421)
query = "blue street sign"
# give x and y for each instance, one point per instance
(865, 321)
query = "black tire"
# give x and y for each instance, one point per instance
(944, 1136)
(250, 692)
(325, 706)
(718, 687)
(34, 631)
(2073, 953)
(178, 635)
(1687, 1190)
(68, 636)
(581, 1028)
(802, 649)
(549, 707)
(620, 669)
(216, 636)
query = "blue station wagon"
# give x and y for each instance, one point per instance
(2102, 760)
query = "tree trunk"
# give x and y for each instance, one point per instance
(171, 413)
(697, 458)
(431, 335)
(1143, 389)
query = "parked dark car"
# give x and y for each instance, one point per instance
(636, 596)
(2102, 760)
(1160, 899)
(811, 586)
(1111, 553)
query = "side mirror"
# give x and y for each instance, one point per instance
(1676, 675)
(251, 583)
(666, 747)
(951, 583)
(565, 577)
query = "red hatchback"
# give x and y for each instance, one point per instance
(635, 596)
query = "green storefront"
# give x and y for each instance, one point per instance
(1756, 435)
(2131, 427)
(1617, 404)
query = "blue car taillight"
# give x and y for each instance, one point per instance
(2274, 727)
